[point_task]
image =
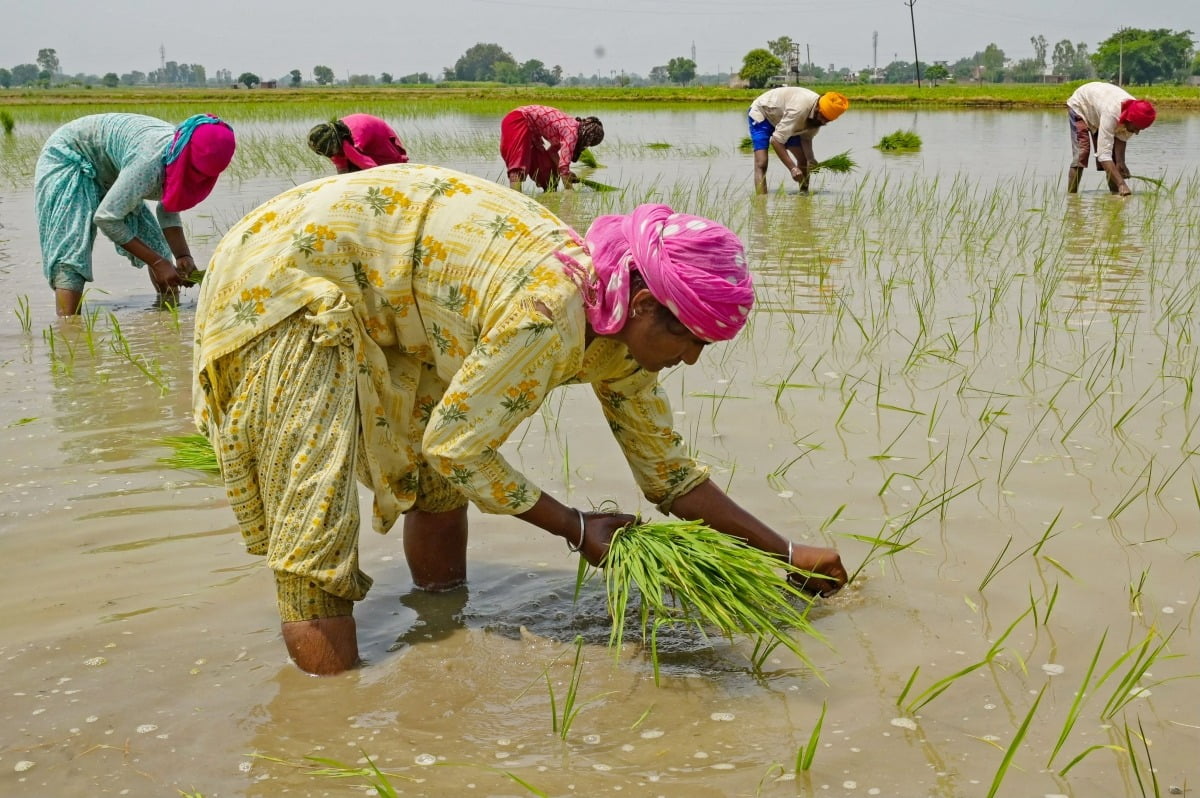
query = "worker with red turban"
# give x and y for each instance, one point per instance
(1103, 117)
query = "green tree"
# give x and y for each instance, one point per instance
(534, 71)
(296, 77)
(24, 74)
(781, 48)
(133, 78)
(47, 59)
(1040, 48)
(992, 60)
(758, 66)
(681, 70)
(479, 62)
(1196, 64)
(506, 72)
(6, 78)
(1027, 70)
(323, 75)
(1133, 55)
(659, 75)
(1071, 61)
(110, 80)
(248, 79)
(937, 72)
(385, 78)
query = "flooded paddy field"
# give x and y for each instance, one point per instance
(979, 389)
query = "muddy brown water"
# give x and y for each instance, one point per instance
(946, 324)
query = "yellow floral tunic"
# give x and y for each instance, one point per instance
(461, 319)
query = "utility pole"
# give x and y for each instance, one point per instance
(808, 59)
(874, 56)
(1121, 57)
(913, 20)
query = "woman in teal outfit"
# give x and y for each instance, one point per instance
(98, 171)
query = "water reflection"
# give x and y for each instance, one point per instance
(1100, 257)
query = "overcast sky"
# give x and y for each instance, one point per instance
(272, 37)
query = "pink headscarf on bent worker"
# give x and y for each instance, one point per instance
(1140, 113)
(203, 146)
(692, 265)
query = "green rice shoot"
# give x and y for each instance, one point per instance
(1153, 180)
(685, 572)
(658, 145)
(900, 141)
(190, 452)
(7, 123)
(596, 185)
(588, 159)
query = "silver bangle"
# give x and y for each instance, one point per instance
(789, 553)
(582, 532)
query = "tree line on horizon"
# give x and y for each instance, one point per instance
(1130, 55)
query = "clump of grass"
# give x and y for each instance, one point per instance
(588, 159)
(900, 141)
(190, 452)
(690, 574)
(7, 122)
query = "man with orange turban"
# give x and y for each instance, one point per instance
(788, 117)
(1104, 117)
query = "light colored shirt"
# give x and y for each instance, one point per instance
(556, 127)
(1099, 104)
(788, 109)
(446, 272)
(126, 151)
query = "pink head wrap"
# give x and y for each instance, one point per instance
(202, 148)
(1138, 112)
(373, 143)
(692, 265)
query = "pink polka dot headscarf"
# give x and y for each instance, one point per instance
(692, 265)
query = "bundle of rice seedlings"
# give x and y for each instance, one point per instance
(7, 123)
(596, 185)
(900, 141)
(687, 573)
(196, 277)
(190, 452)
(841, 163)
(1154, 180)
(588, 159)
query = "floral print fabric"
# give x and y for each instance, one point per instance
(460, 317)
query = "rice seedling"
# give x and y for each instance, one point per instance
(688, 574)
(808, 751)
(7, 123)
(900, 141)
(943, 684)
(1156, 182)
(588, 158)
(152, 369)
(1077, 704)
(1017, 739)
(190, 453)
(1035, 548)
(1135, 766)
(24, 317)
(658, 145)
(329, 768)
(571, 707)
(596, 185)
